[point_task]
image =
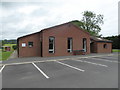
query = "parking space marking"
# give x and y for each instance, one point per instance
(40, 70)
(105, 60)
(2, 68)
(98, 56)
(92, 63)
(70, 66)
(29, 62)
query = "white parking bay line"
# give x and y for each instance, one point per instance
(104, 60)
(70, 66)
(92, 63)
(40, 70)
(2, 68)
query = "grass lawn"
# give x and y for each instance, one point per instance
(116, 50)
(5, 55)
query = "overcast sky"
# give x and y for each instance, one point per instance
(21, 18)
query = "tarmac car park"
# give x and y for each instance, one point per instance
(81, 71)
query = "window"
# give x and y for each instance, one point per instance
(105, 46)
(69, 45)
(30, 44)
(23, 44)
(51, 44)
(84, 44)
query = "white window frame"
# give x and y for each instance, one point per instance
(23, 44)
(71, 41)
(85, 44)
(30, 45)
(53, 50)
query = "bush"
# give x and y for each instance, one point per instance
(14, 47)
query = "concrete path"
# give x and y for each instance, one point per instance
(14, 55)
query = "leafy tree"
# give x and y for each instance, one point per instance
(90, 22)
(0, 44)
(12, 41)
(115, 39)
(14, 47)
(3, 42)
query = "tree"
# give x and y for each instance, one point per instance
(3, 42)
(115, 39)
(14, 47)
(0, 44)
(90, 22)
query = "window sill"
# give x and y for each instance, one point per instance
(51, 53)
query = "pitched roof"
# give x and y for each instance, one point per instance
(54, 27)
(70, 23)
(99, 39)
(28, 35)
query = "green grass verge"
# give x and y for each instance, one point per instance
(5, 55)
(116, 50)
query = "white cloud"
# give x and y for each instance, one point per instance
(27, 9)
(24, 17)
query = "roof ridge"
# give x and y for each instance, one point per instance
(70, 22)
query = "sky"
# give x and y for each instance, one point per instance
(19, 18)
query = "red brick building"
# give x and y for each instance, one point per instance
(99, 45)
(60, 40)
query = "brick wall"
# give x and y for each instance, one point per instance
(61, 34)
(30, 51)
